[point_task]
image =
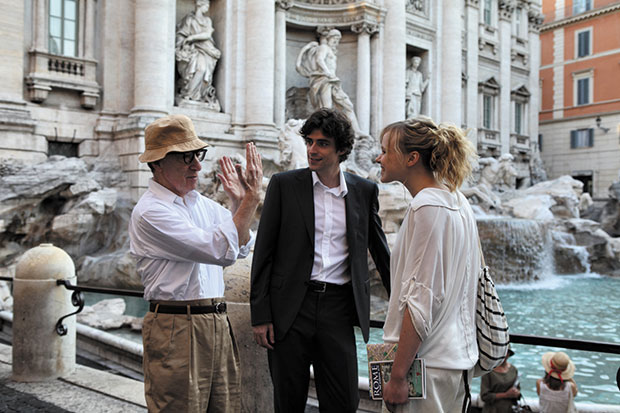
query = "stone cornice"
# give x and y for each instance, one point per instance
(580, 17)
(283, 5)
(342, 16)
(365, 28)
(506, 8)
(535, 20)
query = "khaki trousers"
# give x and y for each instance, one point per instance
(445, 391)
(191, 362)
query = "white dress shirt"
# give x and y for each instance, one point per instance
(434, 266)
(331, 250)
(181, 244)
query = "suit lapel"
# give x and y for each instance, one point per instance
(351, 202)
(305, 196)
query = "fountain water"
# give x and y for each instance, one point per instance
(516, 249)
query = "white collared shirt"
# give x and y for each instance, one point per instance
(331, 250)
(181, 244)
(434, 272)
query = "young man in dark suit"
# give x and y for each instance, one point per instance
(310, 281)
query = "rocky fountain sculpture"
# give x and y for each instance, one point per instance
(83, 207)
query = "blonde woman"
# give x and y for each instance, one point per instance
(434, 264)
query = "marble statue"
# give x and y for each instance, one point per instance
(196, 57)
(318, 61)
(499, 175)
(415, 85)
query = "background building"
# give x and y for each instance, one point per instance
(580, 112)
(84, 77)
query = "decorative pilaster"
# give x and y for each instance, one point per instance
(279, 106)
(505, 45)
(40, 25)
(89, 30)
(535, 20)
(452, 62)
(364, 31)
(153, 56)
(394, 52)
(472, 19)
(376, 84)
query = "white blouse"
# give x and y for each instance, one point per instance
(434, 266)
(181, 244)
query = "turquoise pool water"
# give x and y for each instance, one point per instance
(585, 306)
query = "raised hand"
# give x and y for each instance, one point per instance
(252, 180)
(238, 183)
(231, 182)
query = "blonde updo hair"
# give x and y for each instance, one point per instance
(444, 149)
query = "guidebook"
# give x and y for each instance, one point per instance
(380, 360)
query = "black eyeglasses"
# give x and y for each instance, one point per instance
(188, 157)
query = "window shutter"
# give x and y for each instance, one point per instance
(591, 137)
(584, 44)
(573, 139)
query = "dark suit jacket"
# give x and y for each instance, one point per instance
(284, 250)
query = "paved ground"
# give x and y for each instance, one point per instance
(12, 400)
(87, 390)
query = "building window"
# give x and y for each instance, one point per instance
(487, 111)
(579, 6)
(517, 22)
(63, 27)
(583, 91)
(487, 12)
(582, 138)
(584, 43)
(518, 118)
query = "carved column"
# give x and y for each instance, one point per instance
(535, 20)
(364, 30)
(452, 62)
(472, 21)
(259, 63)
(395, 55)
(153, 57)
(506, 9)
(280, 61)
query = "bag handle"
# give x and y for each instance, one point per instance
(481, 254)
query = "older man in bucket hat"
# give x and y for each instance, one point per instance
(181, 240)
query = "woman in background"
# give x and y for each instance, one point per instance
(434, 265)
(499, 389)
(557, 389)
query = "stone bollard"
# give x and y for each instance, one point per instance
(256, 388)
(39, 353)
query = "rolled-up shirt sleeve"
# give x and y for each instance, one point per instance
(173, 237)
(422, 290)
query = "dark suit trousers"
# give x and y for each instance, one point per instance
(321, 335)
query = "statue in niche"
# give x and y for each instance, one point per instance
(196, 57)
(318, 61)
(415, 85)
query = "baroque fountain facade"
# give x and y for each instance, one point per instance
(73, 121)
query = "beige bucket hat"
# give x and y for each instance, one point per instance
(558, 365)
(174, 133)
